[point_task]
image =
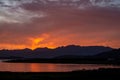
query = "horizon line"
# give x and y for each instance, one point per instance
(61, 46)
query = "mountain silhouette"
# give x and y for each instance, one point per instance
(70, 50)
(113, 54)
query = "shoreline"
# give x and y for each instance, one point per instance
(63, 61)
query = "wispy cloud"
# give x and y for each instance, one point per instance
(12, 12)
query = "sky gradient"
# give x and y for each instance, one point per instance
(53, 23)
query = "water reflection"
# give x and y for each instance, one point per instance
(40, 67)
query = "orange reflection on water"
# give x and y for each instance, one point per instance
(42, 68)
(34, 67)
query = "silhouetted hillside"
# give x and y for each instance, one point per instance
(110, 55)
(69, 57)
(70, 50)
(80, 50)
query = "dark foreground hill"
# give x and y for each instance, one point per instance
(101, 74)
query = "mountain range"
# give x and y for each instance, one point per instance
(71, 50)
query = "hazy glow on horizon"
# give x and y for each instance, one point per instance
(53, 23)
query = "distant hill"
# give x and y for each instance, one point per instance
(113, 54)
(70, 50)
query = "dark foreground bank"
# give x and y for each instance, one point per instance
(101, 74)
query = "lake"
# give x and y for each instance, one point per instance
(48, 67)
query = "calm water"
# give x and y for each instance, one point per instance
(40, 67)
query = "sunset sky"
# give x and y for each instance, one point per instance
(53, 23)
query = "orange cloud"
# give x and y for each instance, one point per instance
(35, 42)
(41, 41)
